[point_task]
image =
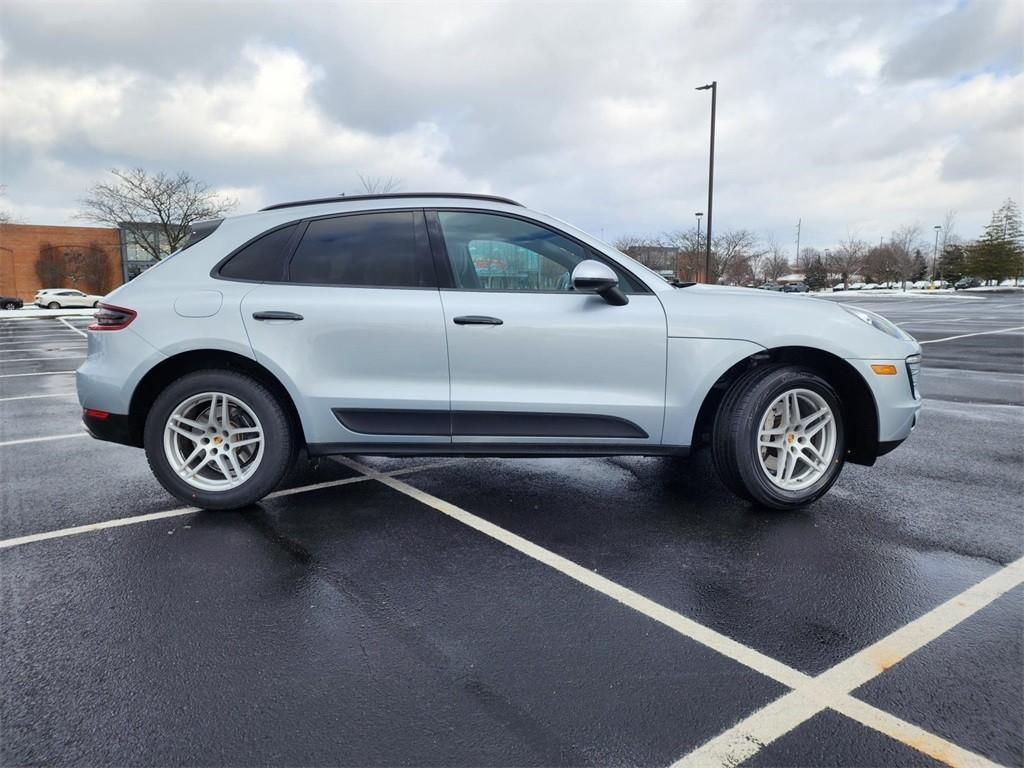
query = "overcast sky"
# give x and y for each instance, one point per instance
(854, 117)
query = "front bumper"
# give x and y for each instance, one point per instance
(897, 400)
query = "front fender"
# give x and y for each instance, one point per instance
(694, 365)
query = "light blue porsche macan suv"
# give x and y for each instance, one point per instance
(468, 325)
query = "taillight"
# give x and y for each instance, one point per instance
(110, 318)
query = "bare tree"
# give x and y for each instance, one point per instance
(775, 262)
(848, 258)
(887, 263)
(906, 239)
(50, 266)
(807, 258)
(628, 243)
(92, 267)
(733, 255)
(158, 209)
(5, 216)
(378, 185)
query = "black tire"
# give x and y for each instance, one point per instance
(735, 435)
(53, 305)
(95, 304)
(10, 305)
(279, 441)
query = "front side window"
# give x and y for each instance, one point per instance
(371, 250)
(492, 252)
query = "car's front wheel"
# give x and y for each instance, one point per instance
(219, 439)
(10, 305)
(778, 437)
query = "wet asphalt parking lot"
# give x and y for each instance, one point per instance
(521, 612)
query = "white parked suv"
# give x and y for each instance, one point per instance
(468, 325)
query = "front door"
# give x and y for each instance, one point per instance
(532, 361)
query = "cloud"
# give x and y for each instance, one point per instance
(584, 110)
(973, 37)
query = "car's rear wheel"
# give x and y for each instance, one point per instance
(53, 305)
(219, 439)
(10, 305)
(778, 437)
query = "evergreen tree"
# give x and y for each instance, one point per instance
(952, 263)
(999, 253)
(918, 266)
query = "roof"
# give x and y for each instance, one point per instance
(392, 196)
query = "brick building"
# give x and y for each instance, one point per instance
(22, 246)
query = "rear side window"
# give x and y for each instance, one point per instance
(262, 259)
(371, 250)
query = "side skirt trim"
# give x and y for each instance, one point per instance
(370, 421)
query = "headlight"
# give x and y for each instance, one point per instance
(877, 322)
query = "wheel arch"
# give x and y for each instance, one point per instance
(860, 412)
(176, 366)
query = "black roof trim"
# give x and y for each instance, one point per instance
(392, 196)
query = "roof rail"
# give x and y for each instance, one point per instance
(391, 195)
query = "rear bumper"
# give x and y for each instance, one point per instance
(113, 428)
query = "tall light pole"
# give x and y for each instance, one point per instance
(713, 86)
(935, 251)
(698, 214)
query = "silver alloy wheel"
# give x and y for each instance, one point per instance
(213, 441)
(796, 439)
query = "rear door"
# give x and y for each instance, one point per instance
(355, 328)
(532, 361)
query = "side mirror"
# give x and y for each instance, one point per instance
(591, 276)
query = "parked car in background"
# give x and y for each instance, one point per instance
(870, 287)
(11, 302)
(1011, 283)
(920, 284)
(770, 287)
(795, 288)
(839, 287)
(967, 282)
(386, 324)
(67, 298)
(43, 291)
(855, 286)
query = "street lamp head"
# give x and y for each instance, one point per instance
(698, 213)
(703, 87)
(938, 226)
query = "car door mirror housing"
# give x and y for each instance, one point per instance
(592, 276)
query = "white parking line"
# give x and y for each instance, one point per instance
(831, 688)
(41, 349)
(38, 359)
(968, 335)
(34, 373)
(809, 695)
(135, 520)
(15, 338)
(62, 321)
(37, 397)
(46, 439)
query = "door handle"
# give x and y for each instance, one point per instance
(274, 315)
(477, 320)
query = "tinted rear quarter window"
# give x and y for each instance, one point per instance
(262, 259)
(372, 249)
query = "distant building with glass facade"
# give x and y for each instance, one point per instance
(135, 259)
